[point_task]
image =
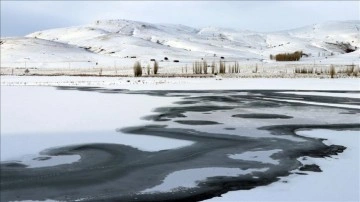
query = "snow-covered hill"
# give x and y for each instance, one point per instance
(121, 42)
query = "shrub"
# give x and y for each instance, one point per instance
(156, 67)
(137, 69)
(289, 56)
(27, 71)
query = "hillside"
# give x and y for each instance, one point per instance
(121, 42)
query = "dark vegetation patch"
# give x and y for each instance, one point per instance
(289, 56)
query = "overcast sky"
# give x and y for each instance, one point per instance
(19, 18)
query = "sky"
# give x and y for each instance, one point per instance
(19, 18)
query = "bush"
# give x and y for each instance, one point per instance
(288, 56)
(137, 69)
(156, 67)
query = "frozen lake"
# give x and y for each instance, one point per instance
(96, 143)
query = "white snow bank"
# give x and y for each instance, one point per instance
(186, 83)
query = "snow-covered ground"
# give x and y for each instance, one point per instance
(117, 44)
(217, 83)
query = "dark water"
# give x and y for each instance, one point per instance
(220, 123)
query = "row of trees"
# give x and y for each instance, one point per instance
(201, 67)
(287, 56)
(138, 69)
(352, 70)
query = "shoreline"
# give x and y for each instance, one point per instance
(213, 83)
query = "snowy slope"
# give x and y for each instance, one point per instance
(119, 40)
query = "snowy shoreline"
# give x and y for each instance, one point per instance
(216, 83)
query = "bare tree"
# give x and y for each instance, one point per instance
(156, 67)
(137, 69)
